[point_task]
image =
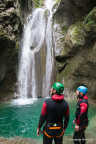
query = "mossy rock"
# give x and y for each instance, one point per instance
(3, 35)
(79, 34)
(38, 3)
(90, 21)
(76, 35)
(79, 53)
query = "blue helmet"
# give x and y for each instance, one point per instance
(82, 89)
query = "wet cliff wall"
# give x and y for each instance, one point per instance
(10, 31)
(75, 50)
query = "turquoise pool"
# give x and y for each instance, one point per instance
(22, 119)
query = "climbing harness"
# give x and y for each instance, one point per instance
(55, 130)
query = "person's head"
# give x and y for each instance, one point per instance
(81, 91)
(57, 88)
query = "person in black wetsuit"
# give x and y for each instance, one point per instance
(54, 116)
(81, 115)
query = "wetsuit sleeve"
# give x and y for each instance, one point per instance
(66, 120)
(83, 109)
(43, 115)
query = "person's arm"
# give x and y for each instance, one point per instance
(42, 117)
(66, 120)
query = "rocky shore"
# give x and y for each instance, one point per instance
(66, 139)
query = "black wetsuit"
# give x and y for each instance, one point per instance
(55, 114)
(81, 120)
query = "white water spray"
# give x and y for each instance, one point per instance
(37, 37)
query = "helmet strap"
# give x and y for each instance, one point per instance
(80, 96)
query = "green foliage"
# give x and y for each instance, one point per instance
(57, 1)
(91, 17)
(3, 35)
(90, 21)
(77, 34)
(64, 29)
(38, 3)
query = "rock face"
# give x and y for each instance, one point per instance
(10, 29)
(24, 7)
(75, 50)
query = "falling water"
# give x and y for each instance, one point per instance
(36, 61)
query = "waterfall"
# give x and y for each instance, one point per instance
(36, 59)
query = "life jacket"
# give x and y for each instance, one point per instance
(82, 119)
(56, 111)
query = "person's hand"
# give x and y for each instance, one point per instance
(63, 131)
(38, 131)
(76, 127)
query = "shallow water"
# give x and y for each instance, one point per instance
(21, 119)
